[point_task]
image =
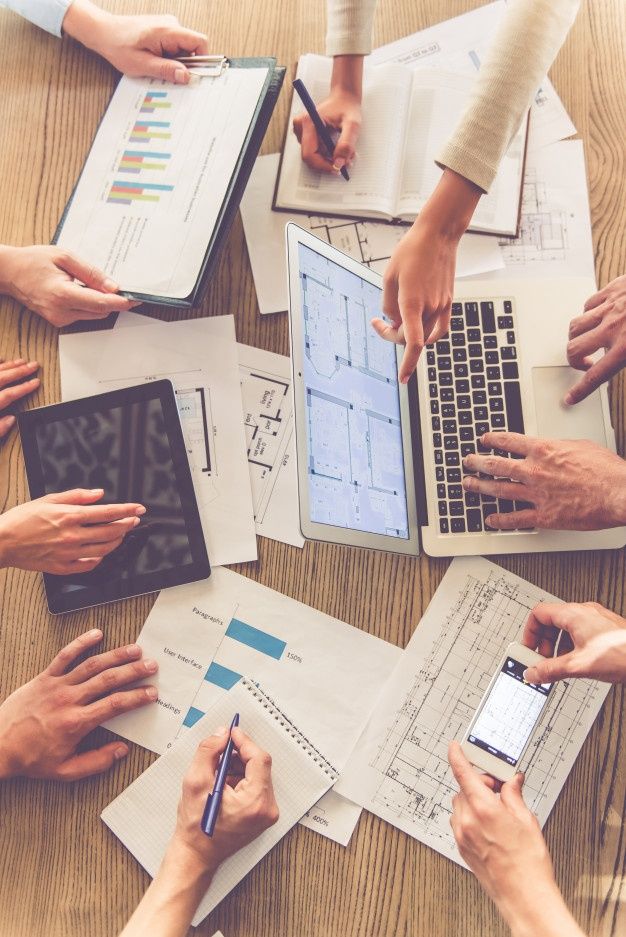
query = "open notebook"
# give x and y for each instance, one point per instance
(144, 815)
(407, 117)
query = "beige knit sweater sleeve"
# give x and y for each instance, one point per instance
(525, 45)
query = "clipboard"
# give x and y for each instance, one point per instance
(236, 186)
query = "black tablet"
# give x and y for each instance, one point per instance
(130, 443)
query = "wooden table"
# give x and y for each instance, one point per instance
(61, 872)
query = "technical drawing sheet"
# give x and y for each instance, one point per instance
(399, 769)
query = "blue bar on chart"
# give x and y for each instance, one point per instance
(256, 639)
(192, 717)
(222, 676)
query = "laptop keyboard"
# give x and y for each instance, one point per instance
(473, 385)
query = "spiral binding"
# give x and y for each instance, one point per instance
(291, 729)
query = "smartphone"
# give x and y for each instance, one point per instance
(508, 714)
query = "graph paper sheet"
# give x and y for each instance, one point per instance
(399, 769)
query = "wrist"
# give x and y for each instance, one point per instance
(347, 75)
(544, 912)
(184, 867)
(449, 209)
(8, 255)
(84, 21)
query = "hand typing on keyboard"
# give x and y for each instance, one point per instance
(603, 325)
(565, 484)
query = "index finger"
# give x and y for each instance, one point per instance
(67, 655)
(414, 339)
(256, 762)
(539, 631)
(187, 40)
(598, 373)
(106, 513)
(509, 442)
(83, 299)
(468, 780)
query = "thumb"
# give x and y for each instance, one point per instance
(153, 66)
(92, 762)
(550, 669)
(88, 274)
(76, 496)
(206, 759)
(344, 151)
(511, 792)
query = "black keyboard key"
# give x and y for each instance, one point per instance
(481, 428)
(436, 423)
(472, 500)
(505, 322)
(432, 390)
(450, 443)
(488, 509)
(456, 324)
(492, 357)
(449, 426)
(462, 387)
(457, 509)
(446, 394)
(480, 396)
(476, 366)
(457, 525)
(475, 351)
(434, 406)
(460, 370)
(509, 370)
(463, 402)
(490, 341)
(445, 379)
(444, 363)
(488, 499)
(466, 433)
(437, 440)
(443, 508)
(455, 492)
(443, 347)
(514, 417)
(497, 421)
(438, 457)
(467, 448)
(501, 453)
(478, 381)
(459, 354)
(432, 374)
(524, 506)
(453, 459)
(480, 413)
(508, 306)
(482, 449)
(496, 404)
(494, 389)
(488, 316)
(439, 473)
(441, 490)
(505, 506)
(457, 309)
(473, 335)
(474, 521)
(453, 475)
(465, 417)
(448, 410)
(430, 357)
(510, 338)
(458, 340)
(443, 525)
(430, 346)
(471, 314)
(493, 373)
(508, 353)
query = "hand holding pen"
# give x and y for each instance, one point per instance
(314, 131)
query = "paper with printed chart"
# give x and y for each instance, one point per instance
(399, 769)
(204, 370)
(326, 673)
(460, 45)
(370, 242)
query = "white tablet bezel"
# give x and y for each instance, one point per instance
(310, 529)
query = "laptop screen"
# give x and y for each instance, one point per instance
(354, 436)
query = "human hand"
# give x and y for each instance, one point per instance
(598, 637)
(43, 723)
(603, 325)
(569, 484)
(501, 841)
(64, 533)
(138, 46)
(341, 111)
(10, 392)
(248, 805)
(419, 278)
(43, 279)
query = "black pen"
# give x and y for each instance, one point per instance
(321, 128)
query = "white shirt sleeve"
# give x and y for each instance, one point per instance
(47, 14)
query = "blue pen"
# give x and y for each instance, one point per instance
(214, 800)
(322, 130)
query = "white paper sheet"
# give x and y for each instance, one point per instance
(205, 376)
(325, 672)
(370, 242)
(149, 195)
(460, 45)
(399, 769)
(144, 815)
(268, 420)
(334, 817)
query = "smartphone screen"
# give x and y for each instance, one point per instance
(505, 721)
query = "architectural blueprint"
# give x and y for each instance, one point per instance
(399, 769)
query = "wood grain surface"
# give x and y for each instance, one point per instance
(62, 874)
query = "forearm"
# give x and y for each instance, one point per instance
(540, 915)
(169, 904)
(349, 26)
(84, 21)
(348, 74)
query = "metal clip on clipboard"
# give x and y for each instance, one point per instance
(205, 66)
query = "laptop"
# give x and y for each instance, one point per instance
(379, 464)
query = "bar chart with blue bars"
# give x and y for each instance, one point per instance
(225, 678)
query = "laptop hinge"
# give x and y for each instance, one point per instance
(418, 454)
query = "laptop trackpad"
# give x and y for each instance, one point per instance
(585, 420)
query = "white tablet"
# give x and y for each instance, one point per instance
(353, 430)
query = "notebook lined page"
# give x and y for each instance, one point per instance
(143, 817)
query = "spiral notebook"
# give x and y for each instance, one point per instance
(143, 817)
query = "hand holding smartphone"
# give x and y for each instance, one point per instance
(507, 717)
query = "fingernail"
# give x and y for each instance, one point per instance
(488, 522)
(19, 361)
(180, 76)
(140, 510)
(220, 730)
(466, 482)
(9, 420)
(133, 650)
(110, 285)
(32, 364)
(339, 164)
(120, 752)
(97, 491)
(404, 380)
(151, 666)
(136, 521)
(95, 633)
(152, 692)
(568, 400)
